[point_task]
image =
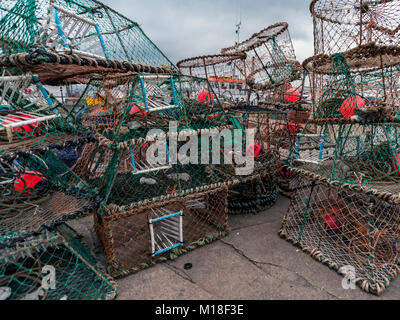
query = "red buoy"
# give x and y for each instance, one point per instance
(205, 95)
(29, 181)
(350, 105)
(253, 150)
(331, 222)
(292, 128)
(292, 95)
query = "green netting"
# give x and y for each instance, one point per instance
(254, 196)
(126, 111)
(38, 190)
(127, 107)
(53, 266)
(226, 73)
(353, 137)
(88, 28)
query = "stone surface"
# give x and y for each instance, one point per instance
(253, 262)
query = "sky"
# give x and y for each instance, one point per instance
(188, 28)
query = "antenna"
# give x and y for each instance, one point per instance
(239, 24)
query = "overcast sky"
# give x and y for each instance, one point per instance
(187, 28)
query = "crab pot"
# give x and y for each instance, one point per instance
(354, 233)
(52, 266)
(275, 130)
(39, 191)
(103, 34)
(137, 238)
(363, 78)
(270, 58)
(253, 196)
(225, 72)
(118, 105)
(343, 25)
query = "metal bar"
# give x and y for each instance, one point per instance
(321, 148)
(166, 217)
(153, 249)
(74, 15)
(60, 30)
(144, 93)
(297, 147)
(132, 158)
(103, 43)
(174, 90)
(181, 226)
(167, 249)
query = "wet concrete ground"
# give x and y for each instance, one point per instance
(253, 262)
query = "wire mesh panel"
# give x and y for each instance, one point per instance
(345, 24)
(355, 234)
(133, 241)
(52, 266)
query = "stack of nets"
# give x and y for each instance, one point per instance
(259, 191)
(345, 210)
(270, 58)
(58, 156)
(151, 132)
(227, 75)
(52, 266)
(39, 191)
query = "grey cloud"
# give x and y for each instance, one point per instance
(187, 28)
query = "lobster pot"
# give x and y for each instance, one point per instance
(117, 105)
(355, 234)
(138, 238)
(275, 130)
(52, 266)
(343, 25)
(288, 95)
(69, 27)
(225, 72)
(364, 79)
(363, 155)
(253, 196)
(270, 58)
(39, 191)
